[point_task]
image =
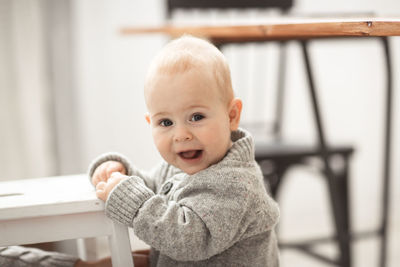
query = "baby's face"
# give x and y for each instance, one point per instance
(190, 123)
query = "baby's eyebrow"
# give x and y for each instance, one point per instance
(159, 114)
(166, 114)
(196, 106)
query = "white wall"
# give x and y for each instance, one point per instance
(349, 74)
(111, 69)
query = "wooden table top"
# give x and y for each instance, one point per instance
(287, 28)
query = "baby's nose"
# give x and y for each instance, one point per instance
(182, 134)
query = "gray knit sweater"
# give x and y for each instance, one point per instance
(220, 216)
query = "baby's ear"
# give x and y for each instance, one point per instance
(147, 117)
(235, 109)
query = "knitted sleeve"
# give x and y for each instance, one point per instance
(14, 256)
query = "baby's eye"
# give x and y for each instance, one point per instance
(166, 123)
(197, 117)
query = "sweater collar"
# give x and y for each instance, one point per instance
(243, 146)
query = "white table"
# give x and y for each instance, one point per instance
(58, 208)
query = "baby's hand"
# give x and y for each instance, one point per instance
(104, 171)
(103, 189)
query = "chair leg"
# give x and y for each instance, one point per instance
(273, 175)
(280, 94)
(280, 174)
(324, 154)
(339, 195)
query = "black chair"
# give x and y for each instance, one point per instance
(277, 157)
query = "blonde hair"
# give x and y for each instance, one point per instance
(188, 52)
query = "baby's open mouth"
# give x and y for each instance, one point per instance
(190, 154)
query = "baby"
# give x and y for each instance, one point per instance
(206, 205)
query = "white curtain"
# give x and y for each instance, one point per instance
(38, 121)
(26, 136)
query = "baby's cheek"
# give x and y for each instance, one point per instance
(219, 134)
(165, 150)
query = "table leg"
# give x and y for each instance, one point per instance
(87, 248)
(119, 243)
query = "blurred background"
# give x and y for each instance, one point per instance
(71, 88)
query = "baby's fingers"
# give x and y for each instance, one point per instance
(99, 175)
(101, 191)
(114, 166)
(104, 171)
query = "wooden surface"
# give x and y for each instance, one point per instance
(280, 29)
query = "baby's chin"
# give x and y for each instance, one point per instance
(194, 168)
(190, 170)
(190, 173)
